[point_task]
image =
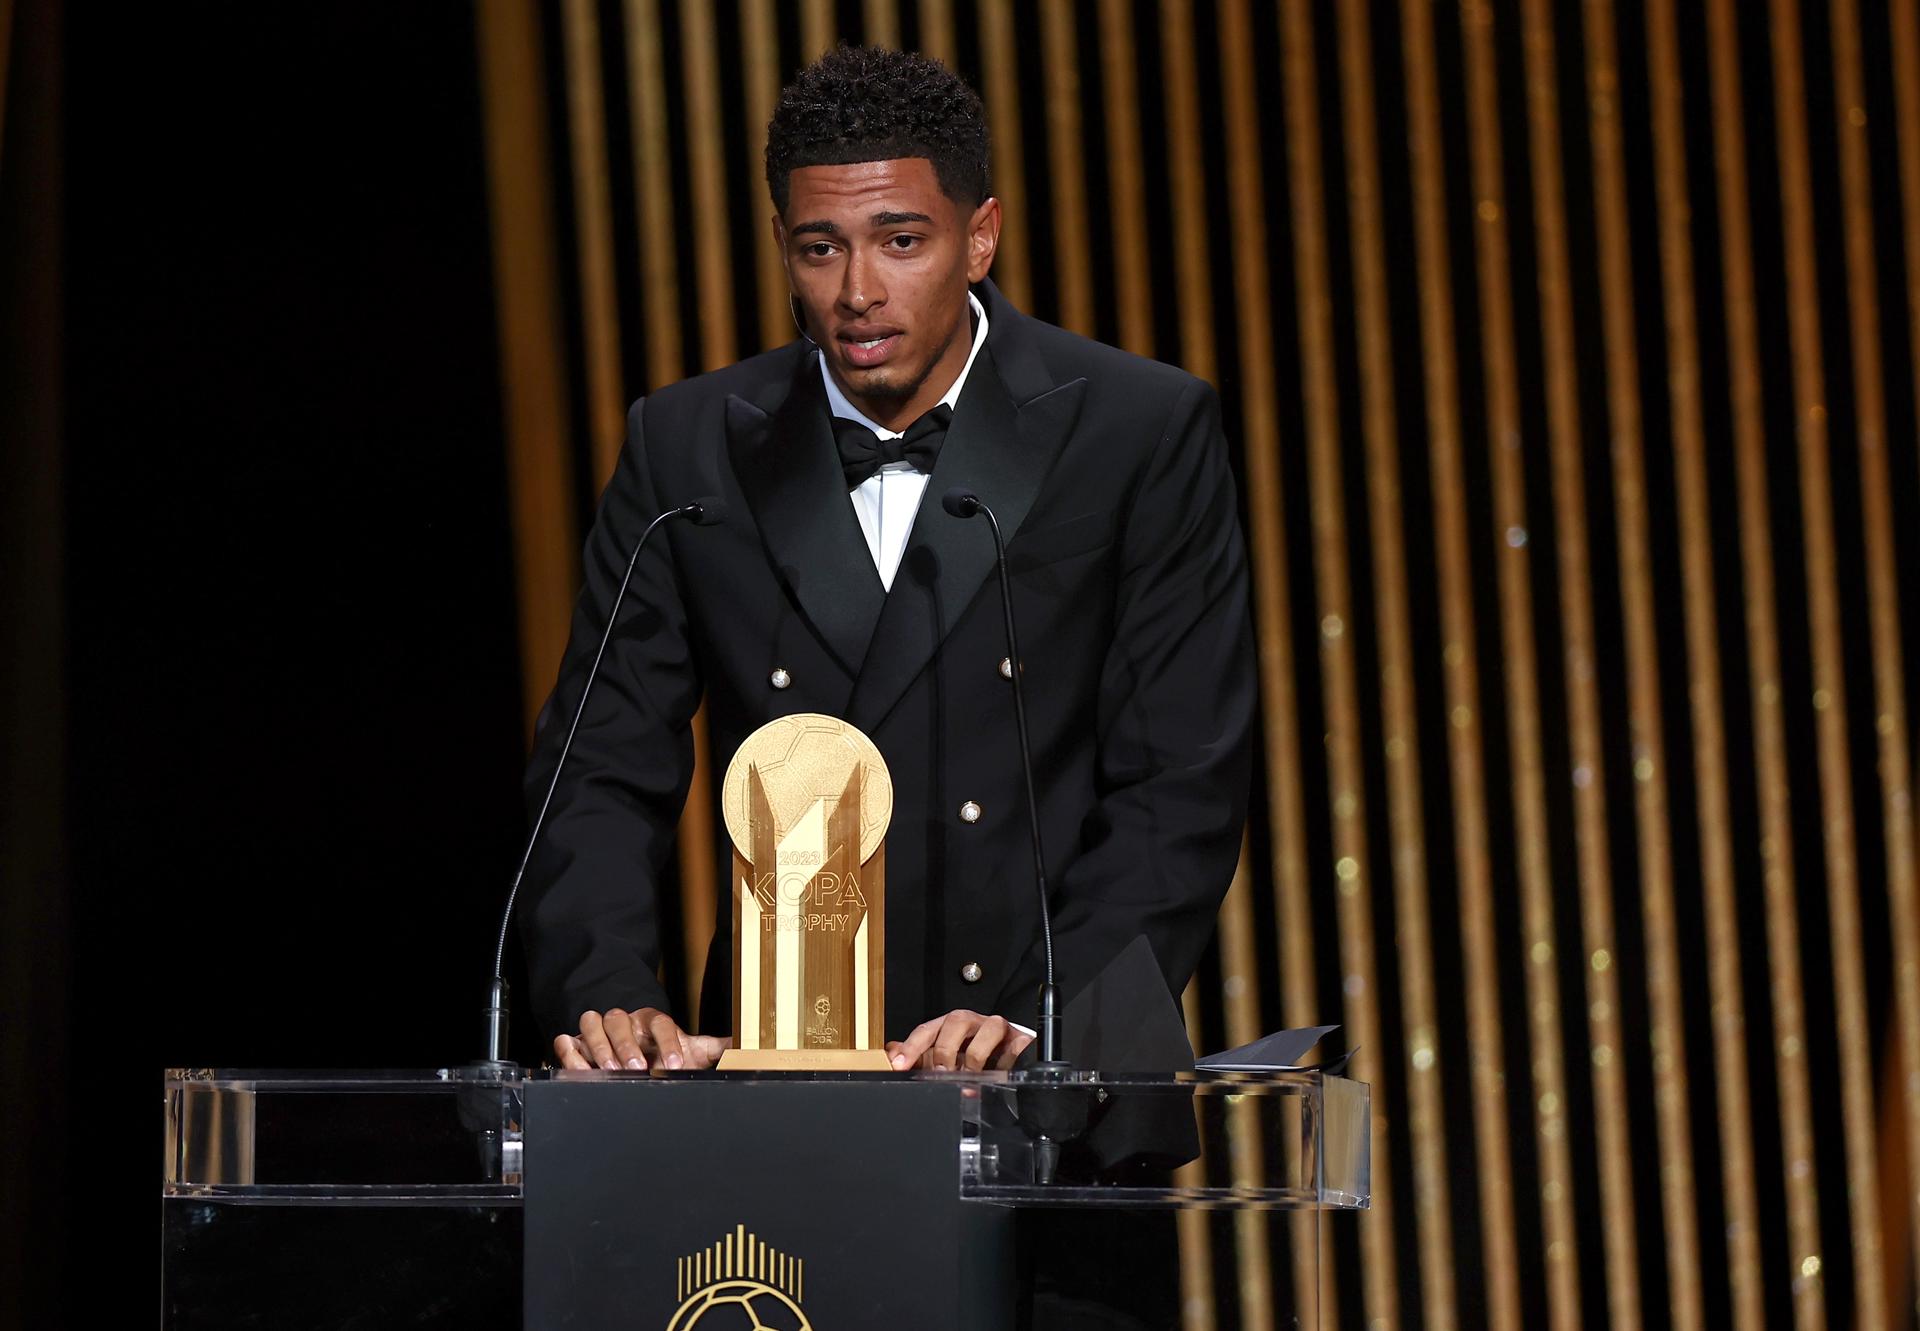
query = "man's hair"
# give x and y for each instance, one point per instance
(871, 104)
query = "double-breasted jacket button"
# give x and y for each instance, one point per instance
(779, 678)
(1006, 667)
(971, 972)
(969, 812)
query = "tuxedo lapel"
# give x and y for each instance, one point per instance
(789, 469)
(1001, 448)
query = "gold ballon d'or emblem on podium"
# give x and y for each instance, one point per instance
(807, 800)
(740, 1284)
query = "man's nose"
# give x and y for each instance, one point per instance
(861, 289)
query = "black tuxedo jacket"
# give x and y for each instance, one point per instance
(1109, 475)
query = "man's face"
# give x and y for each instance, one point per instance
(880, 260)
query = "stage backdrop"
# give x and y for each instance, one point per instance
(1569, 356)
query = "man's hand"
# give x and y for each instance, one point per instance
(961, 1040)
(635, 1041)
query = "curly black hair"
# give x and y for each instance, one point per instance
(871, 104)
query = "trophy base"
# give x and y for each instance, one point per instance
(804, 1060)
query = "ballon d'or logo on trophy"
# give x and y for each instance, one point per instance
(807, 800)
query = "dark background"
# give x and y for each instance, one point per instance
(288, 673)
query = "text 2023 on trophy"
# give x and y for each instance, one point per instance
(807, 800)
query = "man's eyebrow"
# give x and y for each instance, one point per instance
(824, 227)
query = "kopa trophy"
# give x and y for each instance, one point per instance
(807, 800)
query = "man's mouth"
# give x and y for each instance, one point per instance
(867, 352)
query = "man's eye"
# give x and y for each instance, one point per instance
(820, 249)
(903, 242)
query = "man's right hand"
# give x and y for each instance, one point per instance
(635, 1041)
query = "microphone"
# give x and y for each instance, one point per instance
(706, 511)
(964, 503)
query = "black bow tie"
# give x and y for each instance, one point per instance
(863, 453)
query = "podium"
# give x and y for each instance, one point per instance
(702, 1201)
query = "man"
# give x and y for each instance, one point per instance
(835, 585)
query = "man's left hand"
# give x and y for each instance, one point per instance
(960, 1041)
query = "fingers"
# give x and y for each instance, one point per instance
(955, 1031)
(703, 1051)
(651, 1038)
(1015, 1045)
(665, 1034)
(634, 1041)
(960, 1041)
(624, 1040)
(912, 1049)
(593, 1034)
(988, 1038)
(570, 1053)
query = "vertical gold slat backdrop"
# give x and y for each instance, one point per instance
(1905, 25)
(760, 73)
(526, 282)
(1059, 46)
(1253, 340)
(937, 34)
(1118, 69)
(713, 293)
(1458, 665)
(1833, 762)
(999, 86)
(1775, 828)
(1883, 599)
(1580, 667)
(1193, 277)
(1557, 342)
(1558, 1242)
(1124, 172)
(593, 236)
(817, 31)
(1399, 746)
(882, 22)
(1352, 858)
(653, 186)
(1667, 1066)
(1728, 1020)
(1426, 1112)
(1194, 325)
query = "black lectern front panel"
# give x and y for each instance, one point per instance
(723, 1204)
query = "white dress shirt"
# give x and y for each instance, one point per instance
(886, 501)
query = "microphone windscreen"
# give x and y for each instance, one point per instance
(961, 502)
(712, 509)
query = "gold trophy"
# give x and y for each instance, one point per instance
(807, 800)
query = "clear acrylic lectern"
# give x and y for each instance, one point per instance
(774, 1199)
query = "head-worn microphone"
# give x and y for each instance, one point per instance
(964, 503)
(705, 511)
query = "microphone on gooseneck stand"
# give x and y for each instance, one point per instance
(1051, 1111)
(705, 511)
(964, 503)
(1051, 1116)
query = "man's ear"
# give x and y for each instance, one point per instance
(780, 244)
(983, 239)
